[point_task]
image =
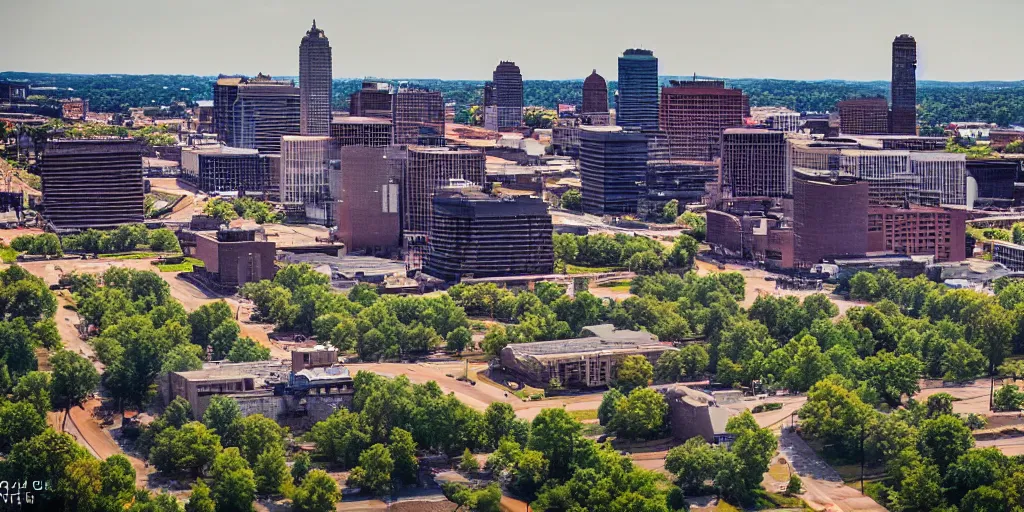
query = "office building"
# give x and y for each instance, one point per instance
(943, 177)
(993, 181)
(373, 100)
(830, 218)
(508, 95)
(613, 169)
(361, 131)
(428, 170)
(418, 117)
(683, 180)
(368, 211)
(233, 257)
(474, 235)
(12, 92)
(592, 360)
(92, 183)
(225, 92)
(776, 118)
(863, 116)
(315, 72)
(595, 95)
(307, 164)
(754, 163)
(202, 121)
(918, 231)
(264, 110)
(636, 100)
(693, 115)
(1009, 254)
(74, 108)
(888, 173)
(217, 169)
(904, 86)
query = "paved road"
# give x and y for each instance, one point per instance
(823, 487)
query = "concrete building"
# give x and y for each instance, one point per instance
(418, 117)
(943, 177)
(74, 108)
(863, 116)
(92, 183)
(12, 92)
(202, 121)
(508, 95)
(475, 235)
(233, 257)
(694, 113)
(373, 100)
(264, 110)
(565, 137)
(636, 100)
(306, 166)
(888, 172)
(368, 208)
(589, 361)
(683, 180)
(1009, 254)
(430, 169)
(904, 86)
(918, 231)
(776, 118)
(697, 414)
(217, 168)
(315, 73)
(830, 218)
(361, 131)
(754, 163)
(595, 95)
(613, 169)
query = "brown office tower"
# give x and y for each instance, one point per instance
(480, 236)
(904, 86)
(430, 169)
(613, 169)
(418, 117)
(264, 110)
(754, 163)
(92, 183)
(830, 218)
(368, 215)
(361, 131)
(225, 92)
(508, 95)
(315, 74)
(373, 100)
(595, 94)
(694, 113)
(863, 116)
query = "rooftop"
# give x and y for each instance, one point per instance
(359, 120)
(261, 371)
(604, 338)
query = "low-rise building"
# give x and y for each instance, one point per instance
(361, 131)
(233, 257)
(918, 231)
(695, 413)
(216, 168)
(1009, 254)
(589, 361)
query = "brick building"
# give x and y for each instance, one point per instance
(361, 131)
(233, 257)
(74, 108)
(693, 115)
(373, 100)
(418, 117)
(754, 163)
(830, 218)
(368, 208)
(595, 95)
(918, 231)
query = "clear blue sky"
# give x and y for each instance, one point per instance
(793, 39)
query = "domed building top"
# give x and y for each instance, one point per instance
(595, 94)
(314, 33)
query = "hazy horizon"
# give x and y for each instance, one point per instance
(805, 40)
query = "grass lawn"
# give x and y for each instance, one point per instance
(130, 255)
(589, 414)
(188, 265)
(576, 269)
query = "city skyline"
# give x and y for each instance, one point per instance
(807, 40)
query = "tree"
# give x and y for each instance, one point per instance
(939, 404)
(183, 358)
(920, 490)
(640, 415)
(318, 493)
(944, 439)
(74, 378)
(223, 338)
(117, 481)
(572, 199)
(892, 376)
(645, 263)
(753, 446)
(257, 433)
(234, 485)
(223, 415)
(373, 474)
(864, 286)
(247, 350)
(692, 462)
(609, 404)
(301, 466)
(19, 421)
(554, 433)
(163, 240)
(634, 372)
(1008, 398)
(500, 421)
(271, 470)
(976, 468)
(189, 449)
(795, 486)
(206, 318)
(199, 499)
(178, 412)
(962, 362)
(468, 462)
(403, 452)
(459, 339)
(34, 388)
(684, 250)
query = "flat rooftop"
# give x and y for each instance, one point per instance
(274, 370)
(360, 120)
(349, 265)
(602, 339)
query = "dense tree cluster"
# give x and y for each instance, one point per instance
(636, 253)
(260, 212)
(301, 299)
(123, 239)
(46, 244)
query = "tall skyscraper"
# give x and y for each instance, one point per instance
(225, 92)
(595, 94)
(636, 105)
(264, 109)
(903, 118)
(428, 170)
(508, 95)
(613, 169)
(315, 74)
(693, 115)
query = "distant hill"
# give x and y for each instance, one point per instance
(938, 102)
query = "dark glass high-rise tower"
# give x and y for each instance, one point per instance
(636, 104)
(903, 117)
(508, 95)
(315, 74)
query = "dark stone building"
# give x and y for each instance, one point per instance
(595, 94)
(683, 180)
(636, 103)
(830, 218)
(903, 119)
(225, 169)
(418, 117)
(693, 115)
(233, 257)
(613, 169)
(373, 100)
(508, 95)
(754, 163)
(480, 236)
(361, 131)
(863, 116)
(92, 183)
(225, 92)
